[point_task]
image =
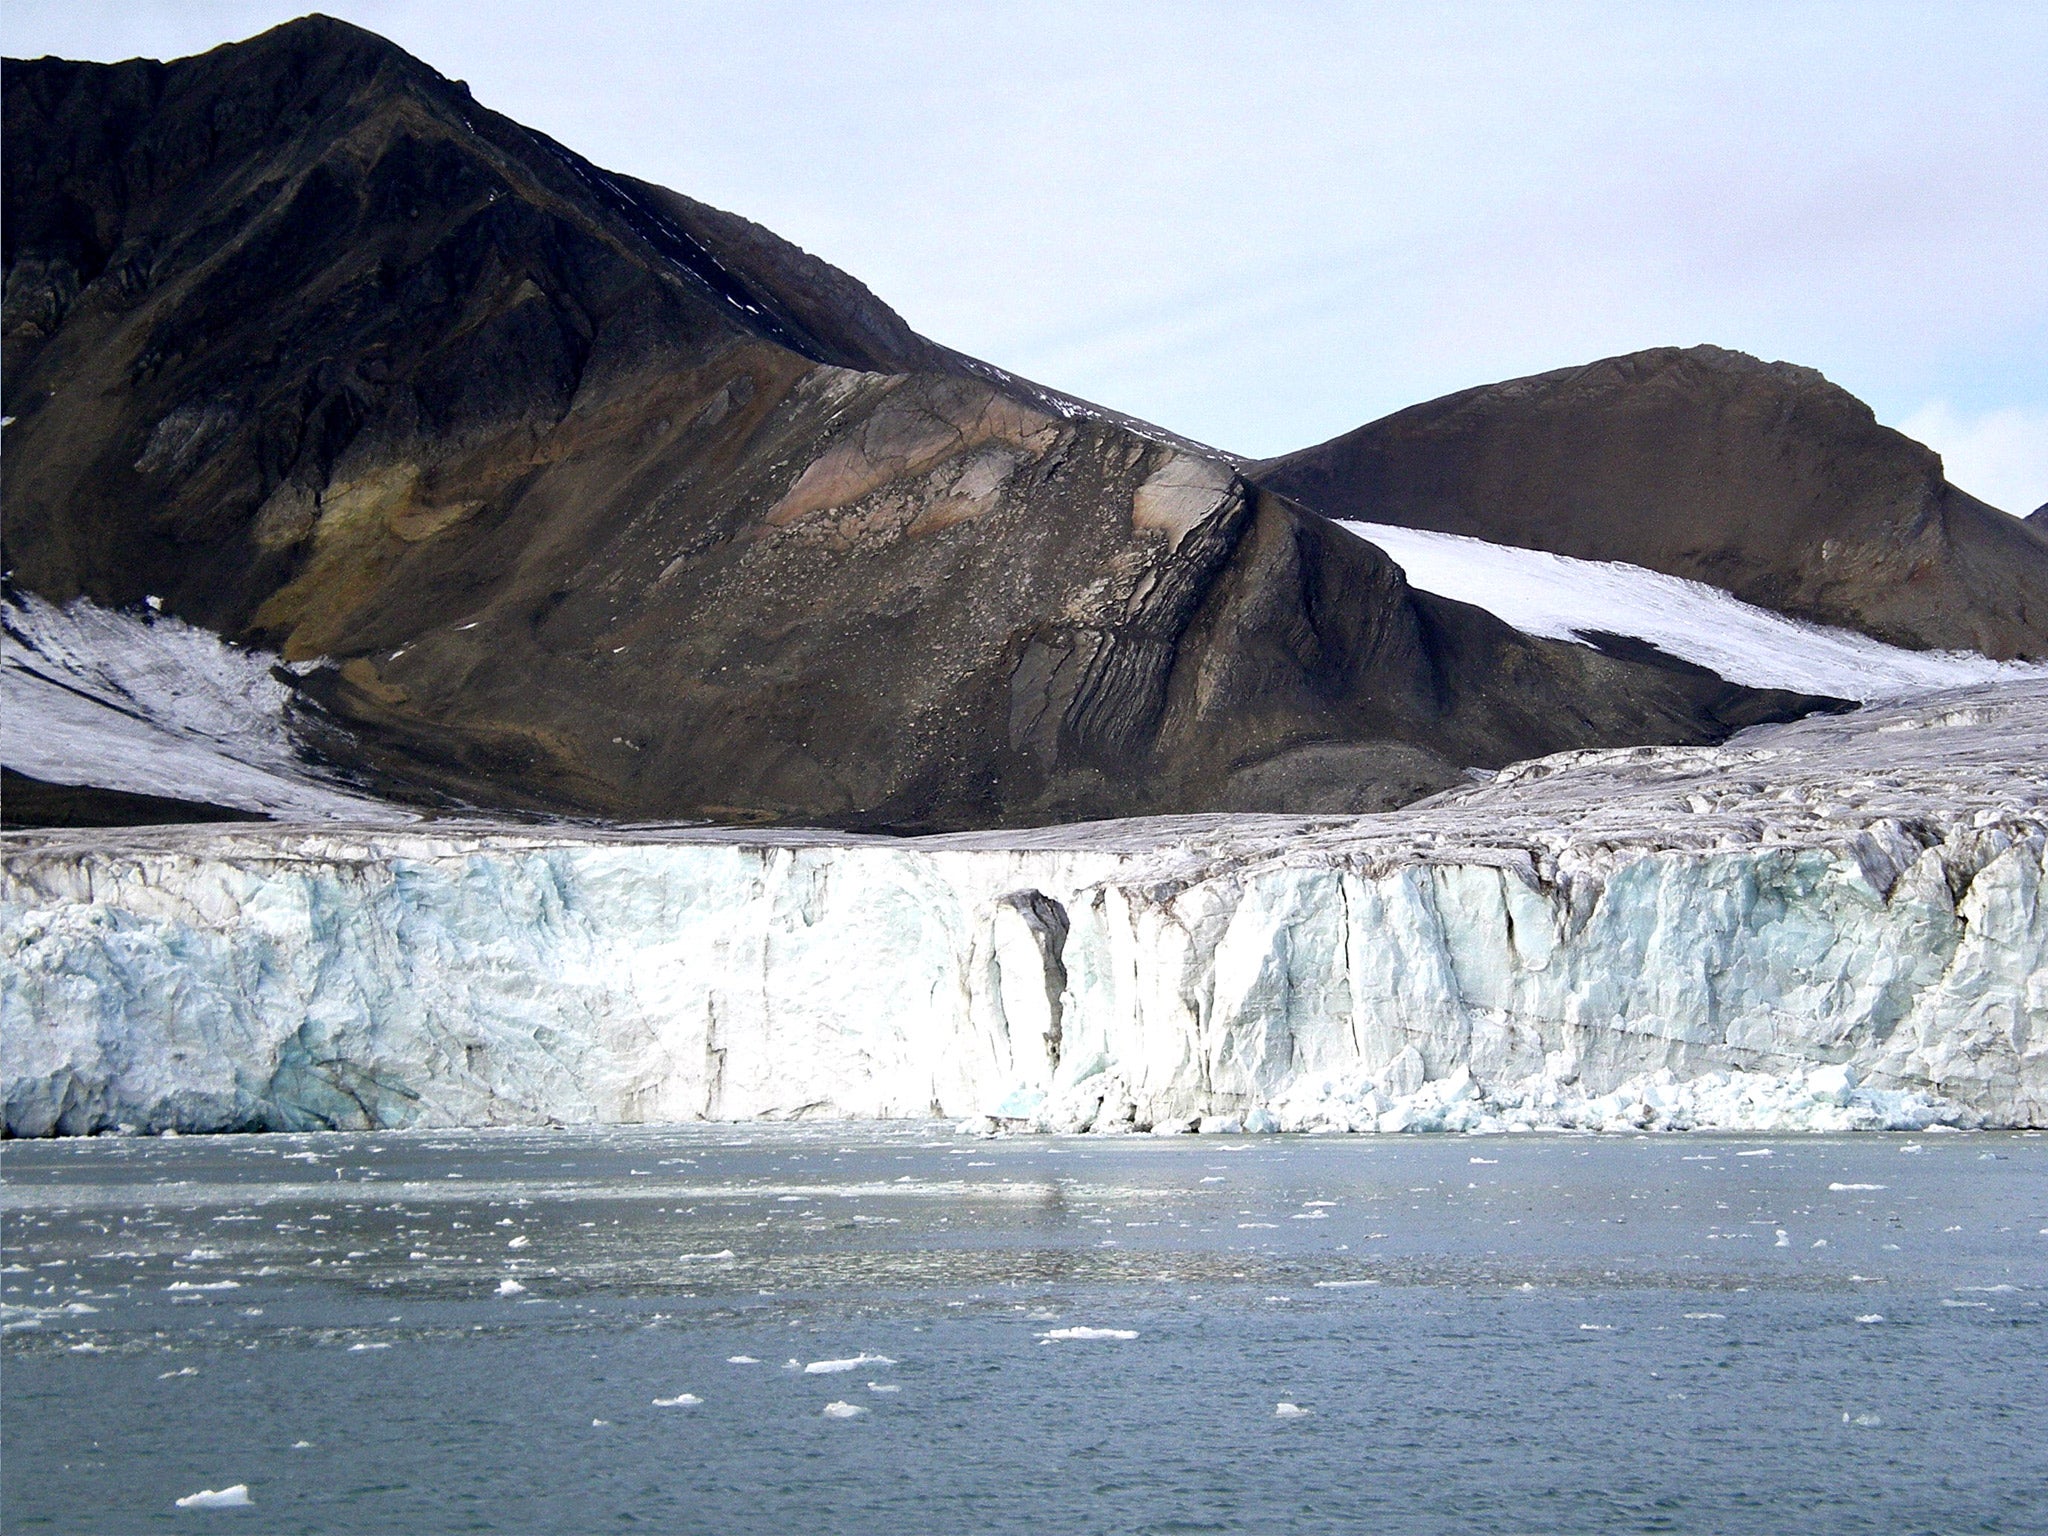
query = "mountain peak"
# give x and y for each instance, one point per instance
(1761, 478)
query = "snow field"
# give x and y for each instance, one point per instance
(1559, 598)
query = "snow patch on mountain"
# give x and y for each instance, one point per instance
(152, 705)
(1559, 598)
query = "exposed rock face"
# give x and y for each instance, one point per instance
(1760, 478)
(586, 497)
(1831, 924)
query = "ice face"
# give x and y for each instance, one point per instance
(1829, 925)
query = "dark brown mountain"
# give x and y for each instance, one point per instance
(586, 497)
(1760, 478)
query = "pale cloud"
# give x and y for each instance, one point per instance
(1997, 456)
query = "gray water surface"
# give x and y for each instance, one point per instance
(1503, 1334)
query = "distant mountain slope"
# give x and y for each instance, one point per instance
(1760, 478)
(567, 493)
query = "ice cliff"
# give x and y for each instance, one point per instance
(1831, 924)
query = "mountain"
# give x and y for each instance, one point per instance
(556, 491)
(1760, 478)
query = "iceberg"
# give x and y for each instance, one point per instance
(236, 1496)
(1831, 925)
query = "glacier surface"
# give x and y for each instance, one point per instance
(1828, 925)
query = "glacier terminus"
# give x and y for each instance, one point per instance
(1833, 924)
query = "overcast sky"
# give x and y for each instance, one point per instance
(1264, 225)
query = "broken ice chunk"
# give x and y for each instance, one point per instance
(1289, 1411)
(843, 1410)
(680, 1400)
(235, 1496)
(1084, 1334)
(833, 1367)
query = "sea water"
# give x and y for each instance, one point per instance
(852, 1328)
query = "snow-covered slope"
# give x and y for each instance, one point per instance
(155, 706)
(1830, 924)
(1565, 599)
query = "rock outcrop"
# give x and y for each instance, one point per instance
(1762, 479)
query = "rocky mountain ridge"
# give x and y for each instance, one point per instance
(564, 493)
(1761, 478)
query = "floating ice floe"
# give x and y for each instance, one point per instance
(680, 1400)
(1289, 1411)
(1871, 1317)
(510, 1288)
(1081, 1335)
(741, 1360)
(851, 1363)
(1840, 1188)
(235, 1496)
(705, 1258)
(884, 1387)
(844, 1410)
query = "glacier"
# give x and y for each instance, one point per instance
(1833, 924)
